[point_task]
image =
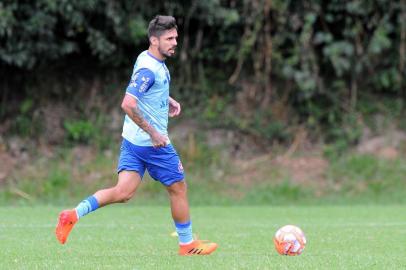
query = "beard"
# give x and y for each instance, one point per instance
(167, 53)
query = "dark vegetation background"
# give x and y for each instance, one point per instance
(283, 101)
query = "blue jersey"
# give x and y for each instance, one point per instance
(149, 85)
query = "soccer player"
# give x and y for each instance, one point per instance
(146, 145)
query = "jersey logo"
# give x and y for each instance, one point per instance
(164, 104)
(180, 167)
(133, 84)
(144, 85)
(133, 80)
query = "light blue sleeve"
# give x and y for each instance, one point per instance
(141, 82)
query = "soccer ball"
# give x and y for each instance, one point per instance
(289, 240)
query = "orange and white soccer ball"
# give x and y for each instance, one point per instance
(289, 240)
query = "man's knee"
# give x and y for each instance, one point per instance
(177, 189)
(122, 194)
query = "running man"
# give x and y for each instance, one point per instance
(146, 145)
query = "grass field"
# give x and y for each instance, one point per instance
(138, 237)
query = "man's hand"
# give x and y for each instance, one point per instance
(159, 140)
(174, 107)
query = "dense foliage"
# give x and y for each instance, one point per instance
(306, 63)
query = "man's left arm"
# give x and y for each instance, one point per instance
(174, 107)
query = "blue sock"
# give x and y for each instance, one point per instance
(86, 206)
(184, 231)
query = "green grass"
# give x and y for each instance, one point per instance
(138, 237)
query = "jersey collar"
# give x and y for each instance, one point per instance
(151, 55)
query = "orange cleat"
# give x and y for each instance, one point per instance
(67, 220)
(197, 247)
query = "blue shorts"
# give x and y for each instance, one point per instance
(163, 163)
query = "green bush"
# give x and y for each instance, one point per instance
(81, 131)
(27, 123)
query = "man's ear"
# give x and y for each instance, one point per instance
(154, 41)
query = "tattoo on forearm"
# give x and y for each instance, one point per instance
(137, 117)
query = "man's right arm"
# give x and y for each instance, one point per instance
(140, 83)
(130, 107)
